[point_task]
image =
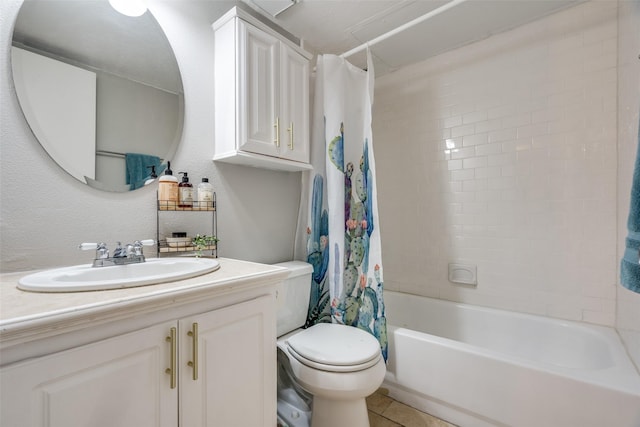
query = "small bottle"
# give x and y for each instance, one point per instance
(205, 194)
(168, 189)
(185, 192)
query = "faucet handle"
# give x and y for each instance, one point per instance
(138, 244)
(101, 249)
(147, 242)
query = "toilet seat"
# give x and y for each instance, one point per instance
(335, 348)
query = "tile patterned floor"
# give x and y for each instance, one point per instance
(386, 412)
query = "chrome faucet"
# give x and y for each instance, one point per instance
(101, 251)
(131, 253)
(119, 251)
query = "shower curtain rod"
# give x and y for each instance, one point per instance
(388, 34)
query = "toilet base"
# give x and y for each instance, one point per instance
(292, 416)
(332, 413)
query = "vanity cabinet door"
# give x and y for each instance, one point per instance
(118, 382)
(235, 373)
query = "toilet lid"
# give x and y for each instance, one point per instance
(335, 345)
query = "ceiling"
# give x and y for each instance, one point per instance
(90, 32)
(330, 26)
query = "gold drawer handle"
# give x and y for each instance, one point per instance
(174, 359)
(193, 333)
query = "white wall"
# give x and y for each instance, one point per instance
(503, 154)
(45, 213)
(628, 312)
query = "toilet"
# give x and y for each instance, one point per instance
(326, 371)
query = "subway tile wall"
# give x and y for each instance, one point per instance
(502, 154)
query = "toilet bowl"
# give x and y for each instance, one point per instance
(337, 366)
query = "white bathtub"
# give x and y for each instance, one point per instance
(477, 366)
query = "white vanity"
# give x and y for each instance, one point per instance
(195, 352)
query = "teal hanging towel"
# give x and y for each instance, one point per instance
(630, 265)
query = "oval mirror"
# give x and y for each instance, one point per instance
(101, 91)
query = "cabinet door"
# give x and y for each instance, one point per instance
(258, 78)
(235, 383)
(119, 382)
(294, 105)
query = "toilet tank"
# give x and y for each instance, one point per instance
(293, 296)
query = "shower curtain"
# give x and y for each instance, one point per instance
(339, 209)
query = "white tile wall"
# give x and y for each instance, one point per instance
(503, 154)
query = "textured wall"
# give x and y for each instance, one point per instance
(502, 154)
(628, 313)
(45, 213)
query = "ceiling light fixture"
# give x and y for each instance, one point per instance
(129, 7)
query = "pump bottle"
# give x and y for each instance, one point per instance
(168, 189)
(185, 192)
(205, 194)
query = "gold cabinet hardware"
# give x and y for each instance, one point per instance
(171, 339)
(277, 126)
(193, 333)
(290, 130)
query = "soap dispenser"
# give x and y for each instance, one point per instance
(185, 192)
(168, 189)
(152, 177)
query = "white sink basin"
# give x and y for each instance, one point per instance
(87, 278)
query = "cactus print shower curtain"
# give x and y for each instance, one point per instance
(339, 211)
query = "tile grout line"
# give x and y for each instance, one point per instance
(388, 419)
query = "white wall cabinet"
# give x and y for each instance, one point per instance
(211, 369)
(261, 95)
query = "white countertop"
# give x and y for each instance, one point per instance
(29, 314)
